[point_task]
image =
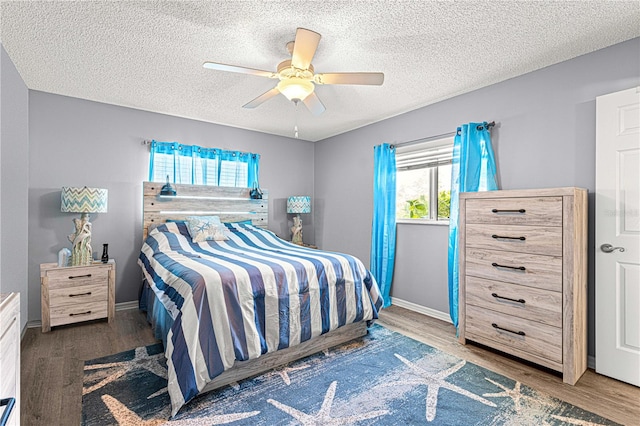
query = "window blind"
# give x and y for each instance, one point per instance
(424, 154)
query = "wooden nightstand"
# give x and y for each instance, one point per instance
(77, 293)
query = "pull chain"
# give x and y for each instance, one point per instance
(295, 127)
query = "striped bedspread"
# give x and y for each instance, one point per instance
(251, 294)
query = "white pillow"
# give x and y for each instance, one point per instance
(206, 228)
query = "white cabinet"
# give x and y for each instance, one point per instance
(10, 354)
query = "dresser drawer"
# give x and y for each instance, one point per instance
(78, 303)
(538, 339)
(542, 211)
(543, 272)
(525, 302)
(515, 238)
(77, 276)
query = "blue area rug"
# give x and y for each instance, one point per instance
(384, 379)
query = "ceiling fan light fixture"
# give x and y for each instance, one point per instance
(295, 88)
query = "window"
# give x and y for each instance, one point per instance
(423, 180)
(202, 166)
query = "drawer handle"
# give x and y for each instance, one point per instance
(519, 333)
(508, 238)
(9, 402)
(80, 313)
(497, 296)
(80, 294)
(508, 211)
(80, 276)
(519, 268)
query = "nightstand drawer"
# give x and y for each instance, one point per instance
(78, 303)
(77, 276)
(523, 335)
(543, 272)
(515, 238)
(525, 302)
(543, 211)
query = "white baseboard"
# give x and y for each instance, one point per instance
(34, 324)
(119, 307)
(127, 305)
(443, 316)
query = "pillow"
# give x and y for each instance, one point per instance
(174, 227)
(206, 228)
(181, 225)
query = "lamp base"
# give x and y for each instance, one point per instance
(81, 253)
(296, 230)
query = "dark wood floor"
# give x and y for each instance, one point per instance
(52, 366)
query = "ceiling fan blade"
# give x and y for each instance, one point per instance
(241, 70)
(304, 48)
(368, 78)
(262, 98)
(314, 104)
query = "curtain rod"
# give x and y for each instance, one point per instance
(431, 138)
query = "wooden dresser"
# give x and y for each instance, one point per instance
(10, 357)
(523, 275)
(77, 293)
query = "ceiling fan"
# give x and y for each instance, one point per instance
(297, 77)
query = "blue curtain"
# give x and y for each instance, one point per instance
(383, 232)
(193, 164)
(254, 170)
(473, 169)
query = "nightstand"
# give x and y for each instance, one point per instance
(77, 293)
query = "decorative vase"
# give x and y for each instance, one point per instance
(105, 253)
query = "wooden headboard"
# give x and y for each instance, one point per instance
(228, 203)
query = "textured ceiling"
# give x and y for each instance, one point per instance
(149, 54)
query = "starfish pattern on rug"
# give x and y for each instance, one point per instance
(434, 382)
(124, 416)
(515, 394)
(284, 371)
(160, 392)
(323, 417)
(522, 404)
(141, 359)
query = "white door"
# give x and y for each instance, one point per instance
(618, 235)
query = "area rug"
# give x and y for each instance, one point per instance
(384, 379)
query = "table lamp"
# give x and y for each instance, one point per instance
(82, 200)
(298, 204)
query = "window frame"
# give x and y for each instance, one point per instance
(432, 146)
(196, 165)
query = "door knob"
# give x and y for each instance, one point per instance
(608, 248)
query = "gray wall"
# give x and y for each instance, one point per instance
(544, 137)
(14, 174)
(76, 142)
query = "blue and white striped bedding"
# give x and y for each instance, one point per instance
(252, 294)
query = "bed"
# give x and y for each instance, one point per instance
(231, 308)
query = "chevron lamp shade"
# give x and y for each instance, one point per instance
(83, 200)
(299, 204)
